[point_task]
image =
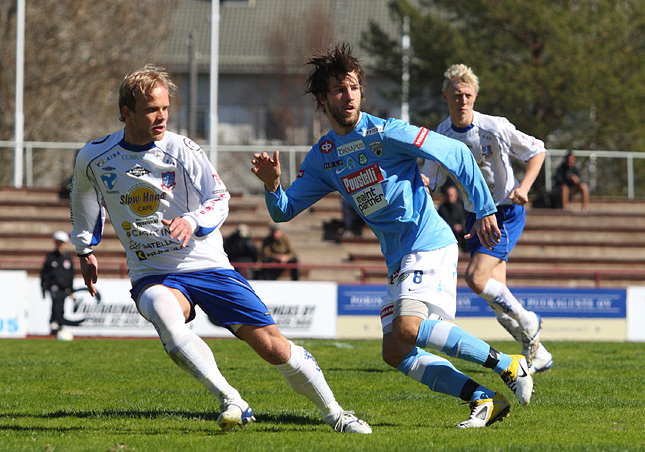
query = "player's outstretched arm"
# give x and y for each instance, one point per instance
(90, 272)
(487, 230)
(267, 169)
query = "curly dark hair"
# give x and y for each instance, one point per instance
(336, 62)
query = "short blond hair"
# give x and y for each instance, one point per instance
(460, 73)
(140, 83)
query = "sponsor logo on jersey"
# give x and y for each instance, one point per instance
(326, 146)
(377, 148)
(142, 200)
(108, 168)
(423, 133)
(350, 163)
(362, 178)
(301, 173)
(141, 255)
(127, 226)
(330, 165)
(109, 180)
(168, 180)
(138, 171)
(362, 159)
(348, 148)
(487, 151)
(370, 199)
(373, 131)
(394, 276)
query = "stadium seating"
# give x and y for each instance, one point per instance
(604, 247)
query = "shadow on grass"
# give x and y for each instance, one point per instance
(283, 419)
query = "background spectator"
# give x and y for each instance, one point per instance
(240, 248)
(452, 210)
(277, 249)
(569, 182)
(352, 221)
(57, 278)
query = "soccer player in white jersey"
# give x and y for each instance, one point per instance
(167, 203)
(372, 163)
(493, 141)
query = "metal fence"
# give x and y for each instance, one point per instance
(50, 164)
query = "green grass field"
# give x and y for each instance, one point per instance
(126, 395)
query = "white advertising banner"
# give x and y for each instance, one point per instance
(301, 310)
(111, 313)
(14, 309)
(636, 314)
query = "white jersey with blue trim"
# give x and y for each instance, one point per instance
(492, 141)
(375, 168)
(140, 186)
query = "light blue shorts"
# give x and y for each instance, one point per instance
(224, 295)
(510, 221)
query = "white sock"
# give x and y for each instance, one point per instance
(497, 294)
(185, 348)
(305, 377)
(510, 324)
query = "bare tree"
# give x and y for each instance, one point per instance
(76, 54)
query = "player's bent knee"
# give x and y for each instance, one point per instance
(267, 342)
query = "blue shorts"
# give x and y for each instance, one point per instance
(223, 294)
(510, 221)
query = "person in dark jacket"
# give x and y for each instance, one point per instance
(57, 278)
(240, 248)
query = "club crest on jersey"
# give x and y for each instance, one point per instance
(168, 180)
(377, 148)
(362, 159)
(487, 151)
(326, 146)
(138, 171)
(348, 148)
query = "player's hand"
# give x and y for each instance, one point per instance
(90, 272)
(487, 231)
(267, 169)
(180, 229)
(519, 196)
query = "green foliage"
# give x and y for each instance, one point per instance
(126, 395)
(569, 72)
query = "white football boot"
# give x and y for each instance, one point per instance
(518, 379)
(485, 412)
(233, 413)
(347, 422)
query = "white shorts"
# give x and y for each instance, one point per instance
(428, 276)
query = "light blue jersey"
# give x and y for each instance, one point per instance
(375, 168)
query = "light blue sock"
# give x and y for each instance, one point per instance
(439, 375)
(455, 342)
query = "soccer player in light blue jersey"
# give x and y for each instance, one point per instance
(372, 163)
(493, 141)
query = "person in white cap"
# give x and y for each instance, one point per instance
(57, 278)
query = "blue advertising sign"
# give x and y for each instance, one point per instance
(548, 302)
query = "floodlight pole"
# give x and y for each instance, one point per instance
(405, 73)
(214, 81)
(19, 113)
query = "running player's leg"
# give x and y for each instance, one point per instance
(234, 304)
(486, 276)
(167, 309)
(425, 291)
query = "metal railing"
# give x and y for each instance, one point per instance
(593, 165)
